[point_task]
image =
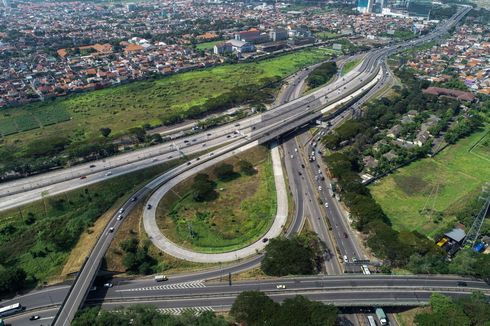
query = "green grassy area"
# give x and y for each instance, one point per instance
(38, 237)
(242, 213)
(207, 45)
(439, 186)
(348, 66)
(326, 35)
(138, 103)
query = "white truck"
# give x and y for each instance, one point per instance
(381, 316)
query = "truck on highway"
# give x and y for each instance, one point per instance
(381, 316)
(160, 278)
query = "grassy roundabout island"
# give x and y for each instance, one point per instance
(223, 208)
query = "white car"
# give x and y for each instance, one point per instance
(111, 229)
(280, 286)
(121, 211)
(326, 205)
(295, 149)
(108, 285)
(108, 173)
(292, 156)
(119, 217)
(319, 188)
(346, 260)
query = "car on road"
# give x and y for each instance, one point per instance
(134, 198)
(237, 124)
(265, 240)
(111, 229)
(121, 210)
(119, 217)
(303, 166)
(189, 163)
(346, 260)
(160, 278)
(295, 149)
(299, 172)
(292, 156)
(108, 174)
(108, 285)
(354, 259)
(83, 177)
(154, 160)
(461, 283)
(228, 136)
(92, 166)
(345, 235)
(319, 188)
(280, 286)
(326, 205)
(34, 317)
(148, 206)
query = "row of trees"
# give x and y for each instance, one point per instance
(141, 315)
(254, 308)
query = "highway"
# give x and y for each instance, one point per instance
(259, 129)
(271, 124)
(346, 290)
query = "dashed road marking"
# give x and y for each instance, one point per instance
(174, 286)
(179, 311)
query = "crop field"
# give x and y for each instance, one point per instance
(242, 213)
(142, 102)
(426, 195)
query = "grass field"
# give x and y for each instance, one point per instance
(242, 213)
(40, 236)
(326, 35)
(348, 66)
(442, 185)
(132, 105)
(207, 45)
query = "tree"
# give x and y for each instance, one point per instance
(300, 259)
(246, 167)
(136, 258)
(301, 311)
(203, 188)
(105, 132)
(254, 308)
(224, 172)
(12, 279)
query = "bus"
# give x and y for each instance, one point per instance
(371, 321)
(11, 309)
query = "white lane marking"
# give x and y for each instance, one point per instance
(179, 311)
(183, 285)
